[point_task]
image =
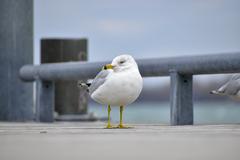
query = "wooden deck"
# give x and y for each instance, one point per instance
(81, 141)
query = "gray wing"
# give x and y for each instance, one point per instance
(98, 81)
(232, 87)
(236, 77)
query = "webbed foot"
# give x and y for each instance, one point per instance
(109, 126)
(121, 126)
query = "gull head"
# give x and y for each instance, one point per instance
(122, 63)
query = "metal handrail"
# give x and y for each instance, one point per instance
(199, 64)
(180, 69)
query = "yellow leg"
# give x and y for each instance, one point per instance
(121, 119)
(109, 122)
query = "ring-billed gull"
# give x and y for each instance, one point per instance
(231, 88)
(117, 84)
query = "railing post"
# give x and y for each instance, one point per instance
(69, 99)
(45, 101)
(181, 99)
(16, 50)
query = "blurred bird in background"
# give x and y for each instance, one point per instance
(231, 88)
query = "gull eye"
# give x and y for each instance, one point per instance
(122, 61)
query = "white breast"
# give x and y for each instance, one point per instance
(120, 88)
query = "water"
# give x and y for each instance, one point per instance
(159, 113)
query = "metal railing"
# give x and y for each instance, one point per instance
(180, 69)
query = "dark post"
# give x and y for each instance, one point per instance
(16, 50)
(181, 99)
(69, 98)
(45, 101)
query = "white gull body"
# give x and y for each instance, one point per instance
(120, 86)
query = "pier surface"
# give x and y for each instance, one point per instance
(82, 141)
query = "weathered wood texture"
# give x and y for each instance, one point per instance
(69, 98)
(76, 141)
(16, 50)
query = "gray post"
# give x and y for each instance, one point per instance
(16, 50)
(181, 99)
(69, 98)
(45, 101)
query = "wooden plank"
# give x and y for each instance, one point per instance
(91, 141)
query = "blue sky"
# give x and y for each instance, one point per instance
(142, 28)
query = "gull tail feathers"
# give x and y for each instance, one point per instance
(84, 85)
(220, 91)
(214, 92)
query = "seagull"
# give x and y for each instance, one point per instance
(231, 88)
(117, 84)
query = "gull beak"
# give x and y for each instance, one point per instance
(108, 66)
